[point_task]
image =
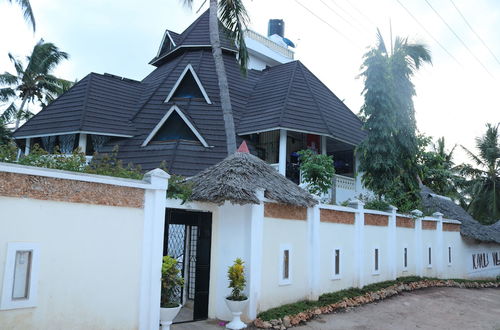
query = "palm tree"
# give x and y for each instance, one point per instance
(388, 157)
(234, 18)
(27, 11)
(484, 179)
(33, 81)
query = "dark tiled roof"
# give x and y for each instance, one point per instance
(197, 34)
(470, 227)
(286, 95)
(291, 96)
(97, 103)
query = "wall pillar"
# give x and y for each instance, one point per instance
(313, 223)
(359, 236)
(152, 249)
(282, 152)
(323, 145)
(256, 246)
(27, 147)
(82, 142)
(418, 242)
(440, 255)
(392, 242)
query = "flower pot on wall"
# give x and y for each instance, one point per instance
(236, 307)
(167, 315)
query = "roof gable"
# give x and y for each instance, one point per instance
(188, 73)
(170, 114)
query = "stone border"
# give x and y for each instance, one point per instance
(285, 211)
(376, 220)
(301, 318)
(405, 222)
(334, 216)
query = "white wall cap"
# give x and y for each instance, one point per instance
(437, 214)
(416, 213)
(392, 208)
(356, 203)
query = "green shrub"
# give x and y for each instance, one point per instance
(171, 282)
(237, 281)
(109, 164)
(179, 188)
(317, 171)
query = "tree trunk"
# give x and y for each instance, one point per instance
(18, 120)
(225, 99)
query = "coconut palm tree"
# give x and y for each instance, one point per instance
(388, 156)
(27, 11)
(233, 16)
(484, 178)
(34, 81)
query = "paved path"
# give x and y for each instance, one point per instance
(435, 308)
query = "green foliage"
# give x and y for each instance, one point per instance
(179, 188)
(237, 281)
(38, 157)
(335, 297)
(109, 164)
(5, 133)
(317, 171)
(171, 282)
(483, 179)
(388, 156)
(377, 204)
(8, 152)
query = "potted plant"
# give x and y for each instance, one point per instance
(237, 301)
(170, 282)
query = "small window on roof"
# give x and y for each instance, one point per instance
(175, 129)
(188, 88)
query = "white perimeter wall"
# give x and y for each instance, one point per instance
(90, 263)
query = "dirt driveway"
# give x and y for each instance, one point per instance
(434, 308)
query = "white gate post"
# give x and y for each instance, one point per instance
(313, 223)
(418, 242)
(439, 243)
(359, 232)
(256, 251)
(392, 239)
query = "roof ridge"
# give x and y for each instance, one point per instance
(314, 98)
(285, 102)
(178, 59)
(86, 98)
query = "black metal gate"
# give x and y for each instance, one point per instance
(188, 239)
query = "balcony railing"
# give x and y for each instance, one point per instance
(344, 182)
(269, 43)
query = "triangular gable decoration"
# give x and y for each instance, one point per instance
(174, 126)
(188, 86)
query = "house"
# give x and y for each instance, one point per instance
(173, 116)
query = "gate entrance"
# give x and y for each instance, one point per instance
(187, 239)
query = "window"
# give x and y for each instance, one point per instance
(429, 257)
(21, 276)
(285, 265)
(175, 129)
(449, 255)
(405, 260)
(188, 88)
(376, 270)
(336, 264)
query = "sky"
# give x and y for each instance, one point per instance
(456, 95)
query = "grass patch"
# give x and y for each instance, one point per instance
(335, 297)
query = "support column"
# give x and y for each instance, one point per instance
(152, 249)
(323, 145)
(282, 152)
(256, 248)
(418, 242)
(313, 223)
(440, 256)
(359, 236)
(27, 147)
(82, 142)
(392, 242)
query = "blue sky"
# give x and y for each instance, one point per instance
(120, 37)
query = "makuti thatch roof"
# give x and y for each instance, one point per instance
(237, 179)
(470, 227)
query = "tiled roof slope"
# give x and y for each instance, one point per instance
(197, 34)
(291, 96)
(97, 103)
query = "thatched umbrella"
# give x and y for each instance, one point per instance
(237, 179)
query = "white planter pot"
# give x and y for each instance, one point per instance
(167, 315)
(236, 308)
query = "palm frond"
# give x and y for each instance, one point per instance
(380, 42)
(234, 17)
(9, 114)
(9, 79)
(6, 93)
(473, 157)
(418, 53)
(17, 64)
(44, 58)
(27, 12)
